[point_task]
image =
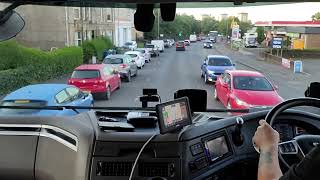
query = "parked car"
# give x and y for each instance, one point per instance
(207, 44)
(96, 78)
(167, 43)
(123, 64)
(172, 42)
(239, 89)
(137, 57)
(180, 46)
(193, 38)
(198, 38)
(46, 95)
(131, 45)
(203, 38)
(187, 42)
(145, 53)
(159, 44)
(153, 49)
(215, 65)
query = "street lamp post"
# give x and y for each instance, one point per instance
(158, 24)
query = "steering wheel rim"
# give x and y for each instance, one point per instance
(275, 111)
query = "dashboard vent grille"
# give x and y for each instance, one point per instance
(153, 169)
(114, 168)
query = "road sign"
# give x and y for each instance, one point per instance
(277, 42)
(297, 67)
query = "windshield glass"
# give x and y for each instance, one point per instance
(252, 83)
(113, 61)
(85, 74)
(194, 51)
(219, 62)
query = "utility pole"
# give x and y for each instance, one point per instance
(158, 24)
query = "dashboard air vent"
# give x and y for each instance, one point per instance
(114, 168)
(154, 169)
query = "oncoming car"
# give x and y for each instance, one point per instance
(35, 96)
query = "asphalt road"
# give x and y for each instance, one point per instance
(175, 70)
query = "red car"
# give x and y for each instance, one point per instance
(238, 89)
(96, 78)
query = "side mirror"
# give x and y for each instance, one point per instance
(85, 94)
(115, 72)
(204, 62)
(276, 87)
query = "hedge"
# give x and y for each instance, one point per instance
(23, 66)
(96, 47)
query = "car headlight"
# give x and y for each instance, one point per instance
(240, 102)
(210, 72)
(210, 44)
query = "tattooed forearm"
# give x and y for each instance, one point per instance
(265, 158)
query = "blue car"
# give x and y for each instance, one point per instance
(46, 95)
(215, 65)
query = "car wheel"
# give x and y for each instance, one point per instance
(229, 105)
(205, 78)
(119, 85)
(129, 77)
(216, 94)
(149, 59)
(108, 93)
(201, 74)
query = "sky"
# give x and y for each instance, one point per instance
(284, 12)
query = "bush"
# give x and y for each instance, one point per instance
(96, 47)
(88, 51)
(30, 66)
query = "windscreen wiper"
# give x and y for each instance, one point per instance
(57, 108)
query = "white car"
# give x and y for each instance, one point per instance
(159, 44)
(131, 45)
(146, 54)
(137, 57)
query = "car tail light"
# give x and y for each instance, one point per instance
(99, 81)
(70, 81)
(123, 65)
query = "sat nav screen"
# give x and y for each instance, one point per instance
(217, 147)
(174, 113)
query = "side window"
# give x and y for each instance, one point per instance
(62, 97)
(129, 59)
(228, 79)
(73, 93)
(107, 71)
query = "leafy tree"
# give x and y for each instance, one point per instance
(316, 16)
(245, 27)
(261, 36)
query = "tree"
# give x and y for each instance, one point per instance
(261, 36)
(224, 26)
(245, 27)
(208, 23)
(316, 16)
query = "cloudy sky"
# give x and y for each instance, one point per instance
(284, 12)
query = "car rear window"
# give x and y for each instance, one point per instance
(31, 103)
(252, 83)
(113, 61)
(85, 74)
(128, 43)
(180, 43)
(141, 50)
(219, 62)
(133, 55)
(149, 46)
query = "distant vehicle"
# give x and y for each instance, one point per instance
(250, 39)
(193, 38)
(123, 64)
(131, 45)
(96, 78)
(167, 43)
(187, 42)
(245, 89)
(215, 65)
(198, 38)
(39, 95)
(172, 42)
(137, 57)
(213, 36)
(145, 53)
(153, 49)
(203, 38)
(180, 46)
(207, 44)
(159, 44)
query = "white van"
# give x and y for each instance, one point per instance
(159, 44)
(193, 38)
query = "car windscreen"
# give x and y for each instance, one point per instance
(252, 83)
(149, 46)
(141, 50)
(113, 61)
(133, 55)
(128, 43)
(85, 74)
(219, 62)
(21, 103)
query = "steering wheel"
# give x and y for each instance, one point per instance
(302, 144)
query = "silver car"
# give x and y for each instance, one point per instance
(146, 54)
(123, 64)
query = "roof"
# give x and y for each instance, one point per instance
(218, 56)
(43, 92)
(289, 23)
(90, 67)
(244, 73)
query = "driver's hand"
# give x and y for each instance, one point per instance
(266, 137)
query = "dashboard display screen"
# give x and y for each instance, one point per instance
(173, 115)
(217, 147)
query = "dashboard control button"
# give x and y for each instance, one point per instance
(196, 149)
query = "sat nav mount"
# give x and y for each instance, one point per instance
(174, 115)
(149, 95)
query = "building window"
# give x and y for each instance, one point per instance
(92, 34)
(108, 17)
(76, 12)
(77, 38)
